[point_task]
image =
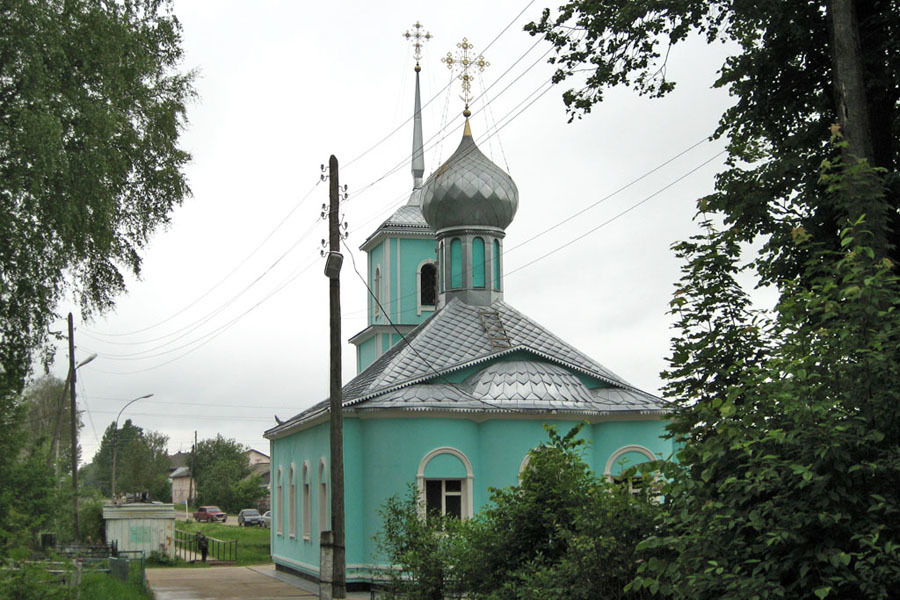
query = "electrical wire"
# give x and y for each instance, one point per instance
(221, 281)
(624, 212)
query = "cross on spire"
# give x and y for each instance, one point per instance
(418, 40)
(464, 62)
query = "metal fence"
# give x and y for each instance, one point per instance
(220, 551)
(69, 566)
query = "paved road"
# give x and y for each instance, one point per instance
(261, 582)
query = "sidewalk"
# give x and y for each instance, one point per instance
(259, 582)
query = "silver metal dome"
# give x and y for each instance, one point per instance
(469, 190)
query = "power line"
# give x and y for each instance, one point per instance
(230, 273)
(624, 212)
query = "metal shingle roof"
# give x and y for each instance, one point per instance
(408, 376)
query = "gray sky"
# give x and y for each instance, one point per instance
(227, 325)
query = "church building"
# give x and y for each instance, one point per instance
(454, 384)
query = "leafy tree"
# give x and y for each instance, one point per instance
(562, 533)
(219, 465)
(788, 483)
(91, 107)
(48, 420)
(786, 98)
(247, 492)
(142, 462)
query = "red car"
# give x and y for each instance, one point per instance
(209, 514)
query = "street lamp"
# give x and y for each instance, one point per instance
(116, 441)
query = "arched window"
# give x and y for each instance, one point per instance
(279, 502)
(445, 482)
(376, 310)
(324, 525)
(496, 264)
(427, 283)
(292, 498)
(307, 527)
(623, 459)
(455, 263)
(478, 262)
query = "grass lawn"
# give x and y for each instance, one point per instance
(252, 547)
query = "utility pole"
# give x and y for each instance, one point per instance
(333, 270)
(190, 497)
(74, 428)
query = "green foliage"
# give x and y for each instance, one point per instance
(92, 107)
(423, 550)
(219, 466)
(247, 492)
(787, 484)
(27, 488)
(142, 462)
(562, 533)
(36, 582)
(781, 79)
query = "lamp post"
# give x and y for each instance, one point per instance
(116, 441)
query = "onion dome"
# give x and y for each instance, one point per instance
(469, 191)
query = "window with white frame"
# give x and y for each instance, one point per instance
(324, 525)
(292, 498)
(445, 483)
(279, 502)
(307, 526)
(443, 497)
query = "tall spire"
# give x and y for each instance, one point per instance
(418, 39)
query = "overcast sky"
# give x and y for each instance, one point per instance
(227, 325)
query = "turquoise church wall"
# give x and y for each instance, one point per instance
(398, 260)
(382, 457)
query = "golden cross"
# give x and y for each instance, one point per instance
(465, 62)
(418, 39)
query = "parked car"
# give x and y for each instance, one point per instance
(266, 519)
(249, 516)
(209, 514)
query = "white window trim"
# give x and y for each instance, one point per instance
(376, 301)
(292, 500)
(307, 526)
(279, 502)
(607, 471)
(467, 483)
(524, 465)
(324, 523)
(419, 306)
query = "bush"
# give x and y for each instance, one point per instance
(562, 533)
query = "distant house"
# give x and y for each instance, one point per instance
(182, 486)
(260, 465)
(255, 457)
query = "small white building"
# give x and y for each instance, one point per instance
(147, 527)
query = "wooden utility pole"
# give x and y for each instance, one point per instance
(190, 497)
(339, 588)
(74, 428)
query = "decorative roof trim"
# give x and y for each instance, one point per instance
(409, 231)
(487, 357)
